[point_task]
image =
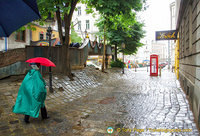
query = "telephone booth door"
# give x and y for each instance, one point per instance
(153, 65)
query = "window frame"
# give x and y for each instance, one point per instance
(87, 24)
(79, 11)
(47, 37)
(79, 25)
(20, 36)
(40, 35)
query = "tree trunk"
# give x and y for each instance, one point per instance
(59, 21)
(106, 61)
(104, 50)
(115, 52)
(65, 51)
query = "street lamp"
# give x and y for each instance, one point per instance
(123, 47)
(49, 21)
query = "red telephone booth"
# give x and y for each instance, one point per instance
(153, 65)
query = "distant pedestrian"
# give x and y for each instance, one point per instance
(31, 95)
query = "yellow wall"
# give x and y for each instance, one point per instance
(177, 59)
(36, 36)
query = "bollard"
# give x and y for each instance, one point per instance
(160, 71)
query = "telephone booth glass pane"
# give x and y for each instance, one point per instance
(153, 66)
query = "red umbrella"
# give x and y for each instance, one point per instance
(42, 61)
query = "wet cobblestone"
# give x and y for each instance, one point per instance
(94, 100)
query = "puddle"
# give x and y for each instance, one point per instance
(107, 100)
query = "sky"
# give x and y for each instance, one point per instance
(156, 17)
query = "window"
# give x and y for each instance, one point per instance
(86, 10)
(41, 36)
(87, 24)
(20, 36)
(47, 37)
(79, 11)
(79, 25)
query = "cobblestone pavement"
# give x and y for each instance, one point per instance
(132, 104)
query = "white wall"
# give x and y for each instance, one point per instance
(2, 44)
(12, 43)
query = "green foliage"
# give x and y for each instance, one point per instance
(119, 17)
(64, 6)
(118, 63)
(123, 29)
(109, 8)
(62, 11)
(74, 37)
(27, 26)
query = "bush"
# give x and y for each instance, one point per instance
(117, 63)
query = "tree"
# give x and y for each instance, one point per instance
(123, 29)
(131, 37)
(111, 8)
(114, 10)
(63, 11)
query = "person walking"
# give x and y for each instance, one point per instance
(31, 95)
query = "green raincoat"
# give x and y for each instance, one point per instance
(31, 95)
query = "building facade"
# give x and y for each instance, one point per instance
(188, 26)
(159, 49)
(15, 40)
(40, 33)
(172, 27)
(85, 23)
(23, 38)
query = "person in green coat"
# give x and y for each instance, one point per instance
(31, 95)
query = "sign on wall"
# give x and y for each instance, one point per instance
(166, 35)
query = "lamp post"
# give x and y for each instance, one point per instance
(86, 34)
(49, 20)
(123, 47)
